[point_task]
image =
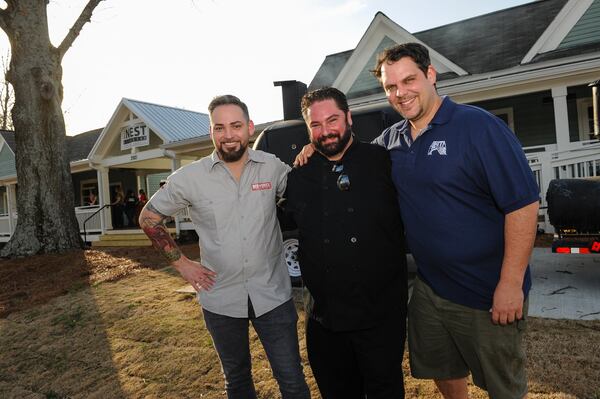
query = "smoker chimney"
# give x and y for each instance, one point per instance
(292, 92)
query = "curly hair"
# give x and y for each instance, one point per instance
(325, 93)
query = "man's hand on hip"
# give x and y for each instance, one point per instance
(199, 276)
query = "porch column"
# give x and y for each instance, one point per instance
(176, 164)
(561, 117)
(141, 182)
(11, 195)
(104, 197)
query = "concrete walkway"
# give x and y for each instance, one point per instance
(565, 286)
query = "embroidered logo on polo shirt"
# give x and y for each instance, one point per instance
(438, 146)
(261, 186)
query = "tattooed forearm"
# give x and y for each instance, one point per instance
(152, 222)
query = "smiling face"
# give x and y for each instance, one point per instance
(410, 91)
(330, 128)
(230, 132)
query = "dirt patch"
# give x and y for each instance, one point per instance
(26, 282)
(108, 324)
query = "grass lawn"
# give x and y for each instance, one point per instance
(113, 327)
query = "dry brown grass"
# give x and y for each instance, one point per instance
(135, 337)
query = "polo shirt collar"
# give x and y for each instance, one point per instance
(444, 113)
(442, 116)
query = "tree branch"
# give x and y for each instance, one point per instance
(84, 17)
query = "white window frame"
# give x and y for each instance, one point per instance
(583, 120)
(5, 202)
(87, 185)
(508, 111)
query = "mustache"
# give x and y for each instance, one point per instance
(329, 136)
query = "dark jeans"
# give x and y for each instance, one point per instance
(358, 364)
(277, 332)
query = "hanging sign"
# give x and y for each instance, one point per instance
(137, 135)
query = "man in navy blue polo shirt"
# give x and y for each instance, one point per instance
(469, 202)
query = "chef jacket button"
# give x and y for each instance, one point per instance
(353, 240)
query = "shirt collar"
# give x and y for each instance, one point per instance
(442, 116)
(254, 156)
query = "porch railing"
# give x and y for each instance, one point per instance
(582, 160)
(94, 225)
(5, 225)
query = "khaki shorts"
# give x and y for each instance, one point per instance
(447, 341)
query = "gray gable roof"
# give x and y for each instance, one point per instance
(330, 69)
(79, 146)
(493, 41)
(486, 43)
(172, 124)
(9, 137)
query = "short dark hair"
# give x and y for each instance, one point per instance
(227, 99)
(416, 51)
(322, 94)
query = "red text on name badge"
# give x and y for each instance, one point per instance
(261, 186)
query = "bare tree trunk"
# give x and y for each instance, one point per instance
(45, 203)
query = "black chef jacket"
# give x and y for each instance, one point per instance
(351, 243)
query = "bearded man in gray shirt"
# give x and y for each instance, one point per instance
(231, 195)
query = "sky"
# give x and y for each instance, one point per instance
(182, 53)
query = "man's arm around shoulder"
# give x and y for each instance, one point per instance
(153, 224)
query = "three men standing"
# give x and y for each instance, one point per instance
(469, 203)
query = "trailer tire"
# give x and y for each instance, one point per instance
(290, 252)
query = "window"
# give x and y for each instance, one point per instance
(506, 114)
(585, 117)
(4, 202)
(87, 186)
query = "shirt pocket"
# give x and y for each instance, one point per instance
(268, 203)
(204, 215)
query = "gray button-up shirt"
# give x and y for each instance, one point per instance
(238, 231)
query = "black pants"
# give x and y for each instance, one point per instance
(358, 364)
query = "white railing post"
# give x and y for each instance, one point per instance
(546, 175)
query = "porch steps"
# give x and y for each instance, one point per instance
(125, 238)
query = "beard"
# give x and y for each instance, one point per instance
(233, 155)
(335, 147)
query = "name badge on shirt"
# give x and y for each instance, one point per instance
(261, 186)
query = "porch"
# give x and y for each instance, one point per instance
(581, 160)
